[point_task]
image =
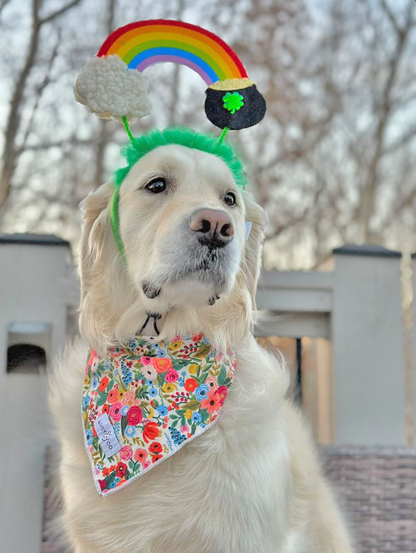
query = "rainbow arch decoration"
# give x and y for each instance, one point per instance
(112, 84)
(145, 43)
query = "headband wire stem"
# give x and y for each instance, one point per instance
(223, 135)
(127, 128)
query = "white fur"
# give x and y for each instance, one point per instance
(250, 484)
(99, 84)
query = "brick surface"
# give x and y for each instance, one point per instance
(377, 487)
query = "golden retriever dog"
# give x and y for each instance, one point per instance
(252, 483)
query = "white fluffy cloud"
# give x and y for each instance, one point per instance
(111, 90)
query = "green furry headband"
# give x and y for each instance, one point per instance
(139, 147)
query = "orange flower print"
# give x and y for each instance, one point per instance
(112, 395)
(151, 431)
(162, 364)
(191, 384)
(212, 403)
(103, 384)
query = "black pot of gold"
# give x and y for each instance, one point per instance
(234, 104)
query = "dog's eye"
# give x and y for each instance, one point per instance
(229, 198)
(156, 185)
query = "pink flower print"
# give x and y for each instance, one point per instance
(212, 383)
(171, 375)
(92, 361)
(184, 429)
(222, 392)
(128, 398)
(146, 464)
(140, 455)
(115, 411)
(146, 361)
(126, 453)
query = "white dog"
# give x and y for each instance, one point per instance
(250, 484)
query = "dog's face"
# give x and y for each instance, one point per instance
(182, 220)
(182, 223)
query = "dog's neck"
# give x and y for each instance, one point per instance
(152, 324)
(225, 323)
(154, 321)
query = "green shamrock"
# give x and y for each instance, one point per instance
(233, 101)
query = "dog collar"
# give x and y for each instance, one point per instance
(144, 401)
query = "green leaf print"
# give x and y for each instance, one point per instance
(222, 377)
(102, 398)
(123, 424)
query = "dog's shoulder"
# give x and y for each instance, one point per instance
(65, 379)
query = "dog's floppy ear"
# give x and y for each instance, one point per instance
(251, 263)
(104, 281)
(95, 208)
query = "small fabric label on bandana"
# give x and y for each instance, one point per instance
(106, 435)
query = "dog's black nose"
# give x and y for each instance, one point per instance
(214, 227)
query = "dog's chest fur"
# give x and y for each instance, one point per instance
(225, 492)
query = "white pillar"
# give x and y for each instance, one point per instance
(368, 342)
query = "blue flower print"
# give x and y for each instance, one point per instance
(88, 436)
(94, 382)
(124, 410)
(196, 417)
(201, 392)
(130, 431)
(150, 383)
(152, 392)
(85, 401)
(162, 410)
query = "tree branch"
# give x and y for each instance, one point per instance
(59, 12)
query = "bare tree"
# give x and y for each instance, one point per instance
(332, 162)
(12, 150)
(352, 163)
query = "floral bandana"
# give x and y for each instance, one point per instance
(146, 400)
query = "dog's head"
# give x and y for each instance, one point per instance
(182, 224)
